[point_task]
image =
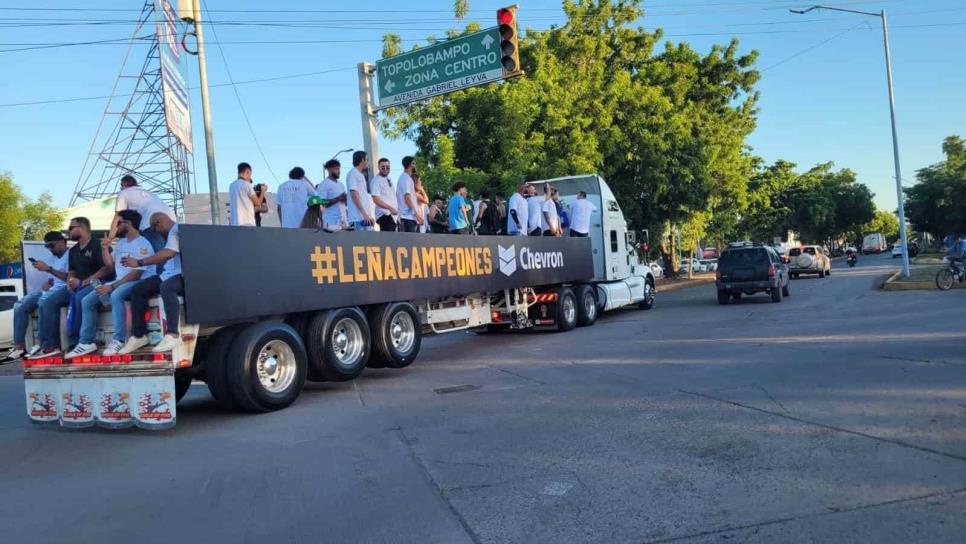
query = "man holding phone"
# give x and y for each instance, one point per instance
(56, 267)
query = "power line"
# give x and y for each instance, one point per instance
(812, 47)
(241, 106)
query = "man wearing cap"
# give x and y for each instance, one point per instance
(55, 265)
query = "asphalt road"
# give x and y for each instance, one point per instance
(837, 415)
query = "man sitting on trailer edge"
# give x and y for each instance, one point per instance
(169, 285)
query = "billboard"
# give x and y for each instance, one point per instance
(174, 72)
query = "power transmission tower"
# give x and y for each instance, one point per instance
(139, 142)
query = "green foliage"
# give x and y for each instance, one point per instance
(22, 218)
(885, 222)
(937, 203)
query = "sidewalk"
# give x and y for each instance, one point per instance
(682, 281)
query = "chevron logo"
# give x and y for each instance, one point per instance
(508, 259)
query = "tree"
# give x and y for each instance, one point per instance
(937, 202)
(885, 222)
(22, 218)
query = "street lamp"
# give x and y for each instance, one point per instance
(892, 112)
(349, 150)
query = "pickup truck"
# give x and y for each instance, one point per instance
(266, 309)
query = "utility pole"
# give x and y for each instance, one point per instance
(900, 197)
(367, 105)
(206, 111)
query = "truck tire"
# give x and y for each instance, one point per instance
(182, 382)
(214, 365)
(648, 301)
(396, 336)
(776, 294)
(338, 344)
(724, 297)
(566, 309)
(586, 305)
(266, 367)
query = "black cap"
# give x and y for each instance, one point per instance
(54, 236)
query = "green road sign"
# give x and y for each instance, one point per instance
(445, 67)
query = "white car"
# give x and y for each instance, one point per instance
(696, 266)
(896, 250)
(9, 294)
(710, 265)
(656, 269)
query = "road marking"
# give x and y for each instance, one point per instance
(455, 389)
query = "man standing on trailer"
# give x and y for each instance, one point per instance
(409, 217)
(459, 221)
(333, 192)
(550, 218)
(146, 203)
(384, 197)
(293, 197)
(361, 207)
(244, 199)
(535, 211)
(169, 285)
(581, 210)
(517, 219)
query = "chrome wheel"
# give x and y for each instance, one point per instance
(590, 307)
(276, 366)
(402, 332)
(569, 309)
(347, 342)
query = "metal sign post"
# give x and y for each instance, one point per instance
(467, 61)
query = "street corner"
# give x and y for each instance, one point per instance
(920, 279)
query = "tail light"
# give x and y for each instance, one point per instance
(771, 271)
(495, 317)
(717, 274)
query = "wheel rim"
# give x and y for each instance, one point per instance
(347, 342)
(402, 332)
(569, 309)
(590, 306)
(276, 366)
(648, 292)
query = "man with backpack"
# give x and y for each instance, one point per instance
(488, 220)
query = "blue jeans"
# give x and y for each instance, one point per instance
(360, 226)
(89, 307)
(21, 316)
(73, 330)
(50, 304)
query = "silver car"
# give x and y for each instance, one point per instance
(808, 260)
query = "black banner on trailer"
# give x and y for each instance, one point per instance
(237, 273)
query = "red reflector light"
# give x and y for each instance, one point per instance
(147, 316)
(127, 358)
(115, 358)
(495, 317)
(158, 357)
(504, 16)
(57, 361)
(771, 271)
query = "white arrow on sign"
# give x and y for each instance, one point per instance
(389, 86)
(487, 41)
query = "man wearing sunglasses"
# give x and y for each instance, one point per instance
(55, 266)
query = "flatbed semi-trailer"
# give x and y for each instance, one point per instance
(266, 309)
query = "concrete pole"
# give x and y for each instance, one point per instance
(367, 105)
(206, 113)
(900, 197)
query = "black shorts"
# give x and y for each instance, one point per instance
(386, 223)
(536, 232)
(575, 234)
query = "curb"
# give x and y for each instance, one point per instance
(683, 285)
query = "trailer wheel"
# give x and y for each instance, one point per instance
(566, 309)
(266, 367)
(586, 305)
(182, 382)
(338, 343)
(396, 336)
(214, 365)
(648, 301)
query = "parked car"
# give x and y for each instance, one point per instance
(9, 294)
(656, 269)
(709, 264)
(897, 249)
(808, 260)
(749, 269)
(696, 266)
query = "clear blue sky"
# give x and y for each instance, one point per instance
(826, 104)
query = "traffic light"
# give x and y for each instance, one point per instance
(509, 48)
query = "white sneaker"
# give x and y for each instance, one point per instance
(42, 354)
(133, 344)
(81, 349)
(114, 348)
(15, 354)
(168, 343)
(33, 351)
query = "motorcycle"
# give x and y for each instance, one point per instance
(852, 260)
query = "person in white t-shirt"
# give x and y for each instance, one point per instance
(244, 199)
(580, 212)
(535, 212)
(384, 197)
(332, 190)
(133, 197)
(361, 208)
(550, 218)
(518, 216)
(169, 284)
(292, 198)
(409, 217)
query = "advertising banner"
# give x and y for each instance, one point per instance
(174, 72)
(236, 273)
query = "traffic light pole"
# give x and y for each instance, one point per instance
(367, 105)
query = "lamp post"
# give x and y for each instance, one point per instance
(892, 112)
(348, 150)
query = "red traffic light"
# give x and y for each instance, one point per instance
(504, 16)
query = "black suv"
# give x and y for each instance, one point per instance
(750, 268)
